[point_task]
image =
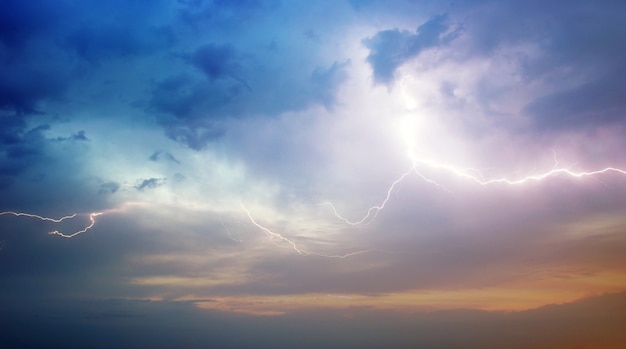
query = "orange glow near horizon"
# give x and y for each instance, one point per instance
(515, 297)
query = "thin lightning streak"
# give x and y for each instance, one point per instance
(228, 232)
(276, 236)
(555, 171)
(18, 214)
(92, 218)
(477, 177)
(372, 212)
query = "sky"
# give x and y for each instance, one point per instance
(282, 174)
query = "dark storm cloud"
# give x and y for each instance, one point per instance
(215, 61)
(19, 20)
(37, 170)
(590, 42)
(175, 95)
(109, 188)
(26, 80)
(111, 40)
(195, 134)
(601, 101)
(580, 55)
(149, 183)
(188, 98)
(47, 57)
(218, 62)
(121, 31)
(12, 129)
(50, 52)
(29, 144)
(199, 14)
(192, 109)
(160, 154)
(78, 136)
(20, 146)
(42, 39)
(47, 49)
(389, 49)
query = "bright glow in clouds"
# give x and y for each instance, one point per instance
(470, 174)
(473, 176)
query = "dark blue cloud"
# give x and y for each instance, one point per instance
(26, 81)
(225, 74)
(600, 102)
(20, 147)
(391, 48)
(175, 95)
(94, 43)
(185, 97)
(46, 45)
(149, 183)
(157, 155)
(196, 135)
(327, 80)
(78, 136)
(580, 54)
(192, 109)
(109, 188)
(589, 42)
(22, 20)
(189, 110)
(218, 62)
(200, 14)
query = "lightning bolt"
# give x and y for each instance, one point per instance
(229, 233)
(469, 174)
(479, 179)
(92, 218)
(274, 237)
(372, 211)
(18, 214)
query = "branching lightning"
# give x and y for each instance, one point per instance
(467, 173)
(479, 179)
(91, 216)
(372, 211)
(92, 219)
(275, 238)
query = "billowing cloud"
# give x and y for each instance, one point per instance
(391, 48)
(149, 183)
